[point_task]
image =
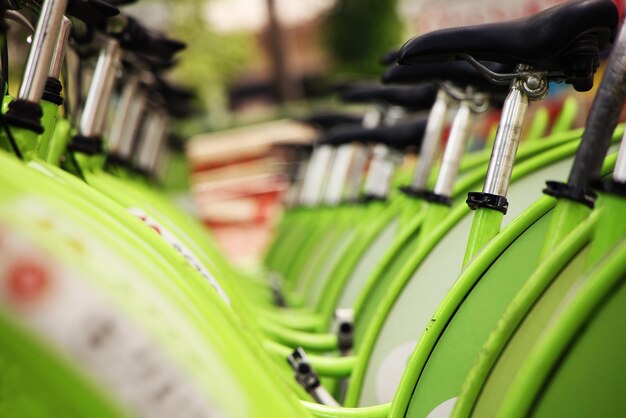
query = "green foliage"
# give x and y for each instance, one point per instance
(359, 32)
(211, 60)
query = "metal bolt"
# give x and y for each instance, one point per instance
(533, 82)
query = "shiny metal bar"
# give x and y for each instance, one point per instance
(61, 47)
(130, 131)
(339, 174)
(381, 171)
(123, 113)
(100, 90)
(158, 141)
(506, 142)
(352, 189)
(430, 142)
(42, 50)
(459, 133)
(317, 175)
(153, 130)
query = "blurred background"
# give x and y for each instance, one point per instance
(256, 64)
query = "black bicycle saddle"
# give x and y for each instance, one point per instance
(415, 97)
(325, 120)
(135, 37)
(567, 38)
(170, 91)
(91, 12)
(460, 73)
(298, 147)
(400, 136)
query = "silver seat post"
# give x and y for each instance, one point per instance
(123, 113)
(131, 127)
(430, 143)
(153, 131)
(100, 90)
(159, 141)
(317, 175)
(528, 85)
(59, 51)
(25, 111)
(53, 87)
(506, 142)
(339, 174)
(352, 188)
(381, 171)
(459, 134)
(42, 50)
(345, 154)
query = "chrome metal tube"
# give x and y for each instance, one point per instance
(430, 143)
(159, 142)
(459, 134)
(322, 396)
(381, 171)
(100, 90)
(59, 51)
(317, 175)
(42, 50)
(130, 130)
(148, 146)
(355, 175)
(123, 113)
(339, 174)
(506, 142)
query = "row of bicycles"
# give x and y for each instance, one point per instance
(489, 281)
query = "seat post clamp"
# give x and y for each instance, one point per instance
(306, 377)
(610, 186)
(565, 191)
(477, 200)
(426, 195)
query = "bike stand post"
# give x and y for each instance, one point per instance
(306, 377)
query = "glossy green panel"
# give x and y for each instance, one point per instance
(458, 346)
